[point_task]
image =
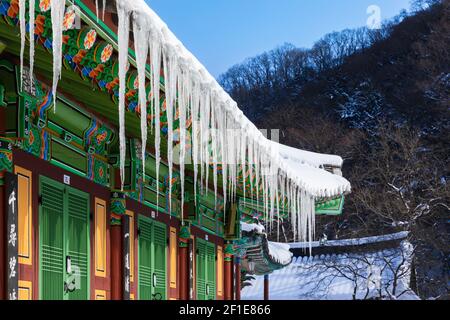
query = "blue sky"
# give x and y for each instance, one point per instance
(221, 33)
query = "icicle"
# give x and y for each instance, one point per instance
(222, 132)
(141, 48)
(155, 60)
(251, 162)
(96, 9)
(214, 142)
(207, 134)
(103, 10)
(171, 78)
(31, 22)
(22, 24)
(243, 164)
(123, 34)
(257, 172)
(195, 104)
(183, 104)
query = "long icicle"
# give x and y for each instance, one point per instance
(195, 104)
(171, 74)
(32, 28)
(155, 60)
(22, 24)
(123, 40)
(141, 48)
(57, 16)
(183, 90)
(96, 9)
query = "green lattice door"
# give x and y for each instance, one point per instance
(152, 259)
(206, 270)
(64, 242)
(211, 271)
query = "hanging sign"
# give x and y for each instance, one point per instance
(126, 256)
(12, 261)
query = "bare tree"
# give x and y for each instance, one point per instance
(383, 275)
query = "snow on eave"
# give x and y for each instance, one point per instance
(352, 242)
(314, 159)
(322, 183)
(250, 227)
(280, 252)
(171, 41)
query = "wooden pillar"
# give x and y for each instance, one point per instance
(183, 256)
(266, 287)
(238, 279)
(116, 262)
(228, 272)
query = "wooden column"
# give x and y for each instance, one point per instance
(228, 272)
(116, 262)
(238, 279)
(266, 287)
(183, 257)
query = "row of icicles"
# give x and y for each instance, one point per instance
(197, 97)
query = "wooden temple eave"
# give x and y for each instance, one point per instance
(255, 256)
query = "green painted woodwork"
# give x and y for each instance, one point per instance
(69, 156)
(70, 119)
(2, 96)
(6, 155)
(145, 259)
(52, 247)
(8, 82)
(185, 233)
(331, 207)
(2, 47)
(152, 257)
(63, 236)
(210, 220)
(206, 270)
(160, 261)
(77, 245)
(118, 203)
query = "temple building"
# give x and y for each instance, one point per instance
(127, 172)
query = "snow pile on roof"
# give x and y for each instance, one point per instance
(383, 274)
(351, 242)
(191, 91)
(250, 227)
(317, 160)
(280, 253)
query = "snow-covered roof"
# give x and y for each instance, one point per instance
(330, 277)
(265, 255)
(351, 242)
(250, 227)
(280, 252)
(306, 157)
(192, 89)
